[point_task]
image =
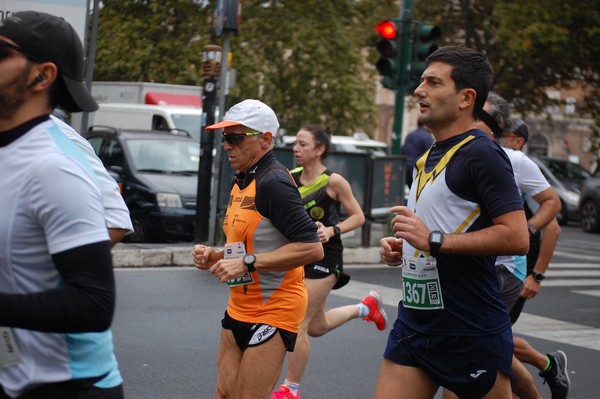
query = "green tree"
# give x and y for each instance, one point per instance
(532, 45)
(308, 59)
(305, 59)
(312, 60)
(151, 41)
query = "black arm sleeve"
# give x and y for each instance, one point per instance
(84, 302)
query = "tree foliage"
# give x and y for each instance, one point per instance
(151, 41)
(312, 60)
(305, 58)
(532, 45)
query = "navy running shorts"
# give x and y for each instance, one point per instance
(465, 365)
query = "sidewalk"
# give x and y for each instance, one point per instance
(180, 254)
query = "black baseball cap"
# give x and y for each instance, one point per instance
(46, 37)
(519, 127)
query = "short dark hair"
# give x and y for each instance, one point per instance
(470, 69)
(322, 136)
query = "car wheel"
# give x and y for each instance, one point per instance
(590, 216)
(141, 233)
(562, 215)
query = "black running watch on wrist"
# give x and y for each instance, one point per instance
(336, 231)
(436, 238)
(249, 260)
(537, 276)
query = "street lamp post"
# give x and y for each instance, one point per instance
(211, 63)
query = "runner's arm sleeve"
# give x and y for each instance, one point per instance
(84, 302)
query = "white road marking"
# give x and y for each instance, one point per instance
(530, 325)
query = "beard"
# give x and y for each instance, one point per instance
(12, 94)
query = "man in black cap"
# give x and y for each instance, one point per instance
(517, 136)
(57, 290)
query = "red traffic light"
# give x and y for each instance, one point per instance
(387, 29)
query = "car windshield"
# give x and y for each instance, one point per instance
(165, 156)
(189, 123)
(567, 171)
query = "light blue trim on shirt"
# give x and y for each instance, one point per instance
(520, 267)
(70, 149)
(92, 355)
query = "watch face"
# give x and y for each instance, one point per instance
(436, 237)
(538, 276)
(249, 259)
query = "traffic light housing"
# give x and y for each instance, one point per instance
(423, 44)
(388, 46)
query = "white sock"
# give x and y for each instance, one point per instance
(293, 386)
(363, 310)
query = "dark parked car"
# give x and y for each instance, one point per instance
(566, 178)
(589, 203)
(158, 175)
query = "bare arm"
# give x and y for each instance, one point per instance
(549, 208)
(288, 257)
(339, 189)
(507, 236)
(116, 235)
(548, 242)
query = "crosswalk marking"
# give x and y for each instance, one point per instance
(558, 331)
(575, 255)
(530, 325)
(588, 292)
(574, 265)
(571, 283)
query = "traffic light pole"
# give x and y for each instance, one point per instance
(406, 18)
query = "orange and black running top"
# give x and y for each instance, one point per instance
(265, 212)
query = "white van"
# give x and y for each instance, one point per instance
(148, 117)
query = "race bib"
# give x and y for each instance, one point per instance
(232, 251)
(421, 284)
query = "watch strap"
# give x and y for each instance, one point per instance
(436, 238)
(249, 260)
(337, 232)
(537, 276)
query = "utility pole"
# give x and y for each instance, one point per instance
(406, 18)
(211, 62)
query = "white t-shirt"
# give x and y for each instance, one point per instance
(531, 182)
(50, 204)
(115, 209)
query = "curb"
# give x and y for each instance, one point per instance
(131, 256)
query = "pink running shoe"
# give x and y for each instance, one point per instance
(377, 312)
(284, 393)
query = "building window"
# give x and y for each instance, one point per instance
(570, 105)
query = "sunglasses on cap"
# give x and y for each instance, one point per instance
(235, 139)
(5, 48)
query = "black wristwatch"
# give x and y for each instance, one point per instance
(436, 238)
(539, 277)
(336, 231)
(249, 260)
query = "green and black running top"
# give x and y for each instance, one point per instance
(322, 208)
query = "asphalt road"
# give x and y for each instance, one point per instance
(167, 328)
